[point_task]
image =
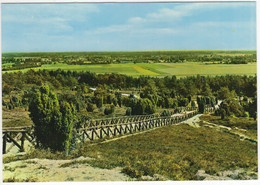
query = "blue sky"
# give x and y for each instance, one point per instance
(128, 26)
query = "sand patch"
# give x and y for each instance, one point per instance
(45, 170)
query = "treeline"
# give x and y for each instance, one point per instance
(165, 87)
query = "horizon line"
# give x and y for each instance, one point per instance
(132, 50)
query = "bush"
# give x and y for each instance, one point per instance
(166, 113)
(246, 114)
(128, 111)
(90, 107)
(231, 107)
(53, 120)
(109, 110)
(183, 102)
(142, 106)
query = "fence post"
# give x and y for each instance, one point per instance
(4, 143)
(22, 141)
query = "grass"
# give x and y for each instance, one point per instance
(176, 152)
(15, 117)
(158, 69)
(248, 124)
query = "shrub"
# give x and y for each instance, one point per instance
(165, 113)
(246, 114)
(183, 102)
(128, 111)
(53, 120)
(90, 107)
(109, 110)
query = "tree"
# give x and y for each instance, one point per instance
(53, 120)
(225, 93)
(201, 103)
(206, 90)
(231, 107)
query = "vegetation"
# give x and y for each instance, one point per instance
(53, 120)
(176, 152)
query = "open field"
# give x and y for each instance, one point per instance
(158, 69)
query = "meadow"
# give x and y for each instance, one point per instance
(157, 69)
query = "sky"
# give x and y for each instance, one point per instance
(128, 26)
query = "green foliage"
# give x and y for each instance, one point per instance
(231, 107)
(142, 106)
(183, 102)
(114, 101)
(53, 120)
(90, 107)
(201, 103)
(166, 113)
(225, 93)
(128, 111)
(109, 110)
(99, 101)
(246, 114)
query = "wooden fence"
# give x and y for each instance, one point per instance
(130, 126)
(100, 128)
(16, 136)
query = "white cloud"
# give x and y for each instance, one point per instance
(46, 18)
(28, 13)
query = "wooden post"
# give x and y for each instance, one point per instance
(22, 142)
(4, 143)
(101, 135)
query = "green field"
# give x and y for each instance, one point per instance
(158, 69)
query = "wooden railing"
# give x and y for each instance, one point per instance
(16, 136)
(100, 128)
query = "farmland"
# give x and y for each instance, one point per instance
(157, 69)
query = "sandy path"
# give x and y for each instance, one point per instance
(45, 170)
